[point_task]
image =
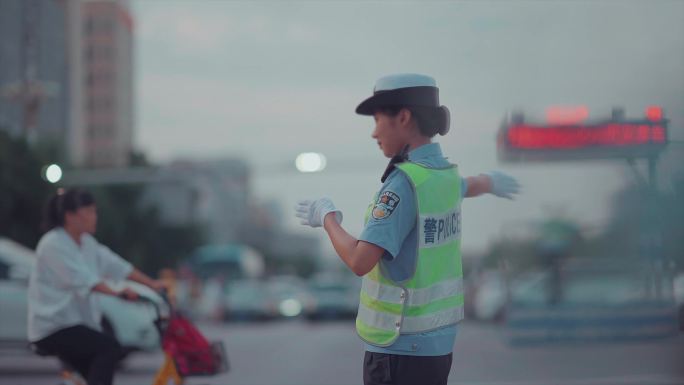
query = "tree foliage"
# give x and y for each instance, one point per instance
(22, 190)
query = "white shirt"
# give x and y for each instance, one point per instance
(62, 278)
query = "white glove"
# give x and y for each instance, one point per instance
(313, 212)
(503, 185)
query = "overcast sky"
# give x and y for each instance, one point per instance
(267, 80)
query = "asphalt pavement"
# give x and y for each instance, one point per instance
(301, 353)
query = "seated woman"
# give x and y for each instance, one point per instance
(63, 318)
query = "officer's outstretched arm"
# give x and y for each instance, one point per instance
(477, 185)
(493, 182)
(359, 256)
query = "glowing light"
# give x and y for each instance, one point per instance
(310, 162)
(566, 115)
(654, 113)
(290, 307)
(574, 137)
(53, 173)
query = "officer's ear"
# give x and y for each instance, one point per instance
(404, 116)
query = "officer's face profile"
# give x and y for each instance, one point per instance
(385, 133)
(391, 130)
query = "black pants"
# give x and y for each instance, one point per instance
(93, 354)
(391, 369)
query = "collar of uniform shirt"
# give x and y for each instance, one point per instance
(426, 150)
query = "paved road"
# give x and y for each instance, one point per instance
(298, 353)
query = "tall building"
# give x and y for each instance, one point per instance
(66, 76)
(107, 54)
(34, 82)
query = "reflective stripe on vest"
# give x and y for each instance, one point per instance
(413, 297)
(432, 297)
(410, 324)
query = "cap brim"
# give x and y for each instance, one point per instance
(370, 105)
(409, 96)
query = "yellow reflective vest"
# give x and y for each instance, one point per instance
(432, 297)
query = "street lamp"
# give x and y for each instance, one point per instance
(310, 162)
(52, 173)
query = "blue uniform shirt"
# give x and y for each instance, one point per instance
(395, 231)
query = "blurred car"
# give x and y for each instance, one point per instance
(209, 305)
(228, 261)
(678, 288)
(132, 324)
(334, 296)
(489, 300)
(288, 295)
(247, 300)
(15, 267)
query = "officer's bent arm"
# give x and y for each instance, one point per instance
(360, 256)
(478, 185)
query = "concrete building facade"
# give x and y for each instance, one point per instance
(67, 77)
(107, 58)
(34, 80)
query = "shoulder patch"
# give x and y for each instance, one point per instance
(384, 207)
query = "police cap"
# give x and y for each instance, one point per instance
(406, 90)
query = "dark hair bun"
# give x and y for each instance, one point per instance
(444, 120)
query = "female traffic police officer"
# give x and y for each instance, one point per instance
(409, 251)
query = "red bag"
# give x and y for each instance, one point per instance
(191, 352)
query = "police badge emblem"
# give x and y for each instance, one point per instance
(385, 205)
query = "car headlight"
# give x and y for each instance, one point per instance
(290, 307)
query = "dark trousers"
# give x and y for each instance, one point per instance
(93, 354)
(392, 369)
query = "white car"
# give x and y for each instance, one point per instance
(489, 300)
(678, 283)
(132, 324)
